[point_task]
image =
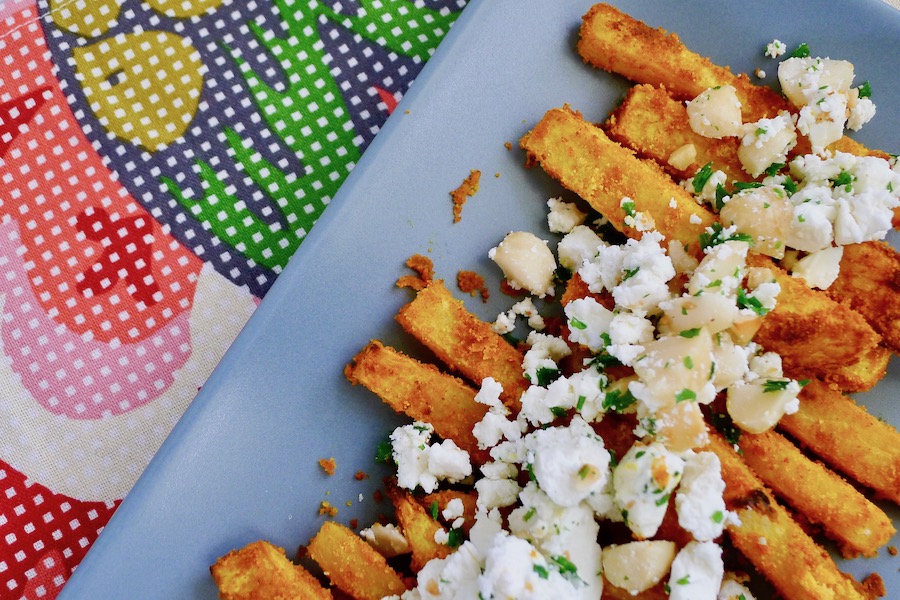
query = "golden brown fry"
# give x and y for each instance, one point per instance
(814, 335)
(352, 565)
(654, 125)
(463, 341)
(616, 42)
(422, 392)
(770, 539)
(847, 437)
(261, 571)
(858, 526)
(418, 527)
(581, 157)
(870, 281)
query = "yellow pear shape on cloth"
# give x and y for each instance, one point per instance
(143, 87)
(181, 9)
(90, 18)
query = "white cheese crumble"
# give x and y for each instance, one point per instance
(775, 48)
(564, 216)
(420, 464)
(697, 572)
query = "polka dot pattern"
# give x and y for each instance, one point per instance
(160, 161)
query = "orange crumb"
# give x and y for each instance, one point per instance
(892, 550)
(470, 282)
(424, 269)
(469, 187)
(508, 145)
(349, 502)
(497, 174)
(328, 465)
(360, 475)
(873, 586)
(326, 508)
(354, 523)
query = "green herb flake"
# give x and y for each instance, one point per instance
(433, 509)
(775, 385)
(685, 395)
(455, 538)
(542, 572)
(761, 131)
(580, 404)
(754, 304)
(566, 567)
(577, 324)
(684, 580)
(628, 207)
(618, 400)
(801, 51)
(844, 179)
(701, 177)
(690, 333)
(773, 169)
(530, 514)
(558, 411)
(584, 471)
(718, 516)
(721, 194)
(547, 375)
(724, 425)
(384, 452)
(865, 90)
(629, 273)
(662, 500)
(688, 362)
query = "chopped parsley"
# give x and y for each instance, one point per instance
(715, 235)
(684, 580)
(721, 194)
(558, 411)
(662, 500)
(580, 404)
(724, 425)
(690, 333)
(456, 538)
(618, 400)
(628, 207)
(584, 471)
(577, 324)
(776, 385)
(754, 304)
(773, 169)
(530, 514)
(761, 131)
(629, 273)
(844, 179)
(384, 452)
(865, 90)
(688, 362)
(801, 51)
(747, 185)
(542, 572)
(701, 177)
(433, 509)
(547, 375)
(685, 395)
(718, 516)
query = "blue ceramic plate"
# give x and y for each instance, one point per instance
(242, 463)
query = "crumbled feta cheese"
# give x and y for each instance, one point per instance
(513, 568)
(697, 572)
(775, 49)
(698, 501)
(642, 483)
(564, 216)
(588, 322)
(569, 462)
(543, 353)
(387, 539)
(421, 464)
(454, 509)
(456, 576)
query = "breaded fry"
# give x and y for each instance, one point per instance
(870, 281)
(616, 42)
(581, 157)
(814, 335)
(418, 527)
(463, 341)
(653, 124)
(422, 392)
(768, 536)
(858, 526)
(261, 571)
(352, 565)
(847, 437)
